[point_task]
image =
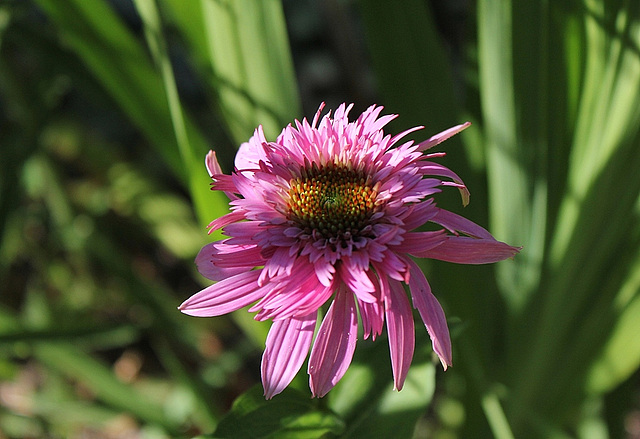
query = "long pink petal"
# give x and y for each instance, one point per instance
(401, 332)
(432, 314)
(441, 137)
(287, 347)
(416, 242)
(225, 296)
(334, 346)
(465, 250)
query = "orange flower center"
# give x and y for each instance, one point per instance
(332, 199)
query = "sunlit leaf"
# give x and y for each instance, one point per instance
(122, 65)
(243, 51)
(290, 415)
(367, 401)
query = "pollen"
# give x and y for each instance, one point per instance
(333, 200)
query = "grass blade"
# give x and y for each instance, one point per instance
(123, 67)
(243, 51)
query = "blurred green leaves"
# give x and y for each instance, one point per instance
(242, 48)
(367, 402)
(290, 415)
(559, 120)
(94, 267)
(552, 91)
(229, 40)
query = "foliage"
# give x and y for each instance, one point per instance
(104, 199)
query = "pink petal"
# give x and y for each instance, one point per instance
(441, 137)
(299, 302)
(431, 168)
(371, 313)
(465, 250)
(392, 266)
(224, 220)
(225, 296)
(211, 163)
(334, 346)
(301, 289)
(420, 213)
(457, 223)
(287, 347)
(357, 280)
(401, 332)
(219, 260)
(404, 133)
(279, 263)
(432, 314)
(222, 182)
(417, 242)
(252, 152)
(372, 316)
(324, 271)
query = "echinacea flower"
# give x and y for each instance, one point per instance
(329, 214)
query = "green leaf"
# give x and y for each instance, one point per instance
(412, 67)
(122, 65)
(75, 364)
(592, 216)
(366, 399)
(621, 354)
(242, 49)
(289, 415)
(516, 146)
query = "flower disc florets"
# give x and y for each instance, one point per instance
(328, 214)
(332, 202)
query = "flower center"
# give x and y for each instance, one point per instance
(332, 200)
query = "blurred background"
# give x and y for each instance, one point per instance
(107, 108)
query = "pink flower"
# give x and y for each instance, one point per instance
(328, 213)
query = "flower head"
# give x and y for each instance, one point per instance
(327, 214)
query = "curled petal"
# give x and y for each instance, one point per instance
(431, 168)
(287, 347)
(456, 223)
(334, 346)
(401, 332)
(224, 220)
(221, 181)
(432, 314)
(279, 263)
(225, 296)
(211, 163)
(298, 293)
(297, 302)
(324, 272)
